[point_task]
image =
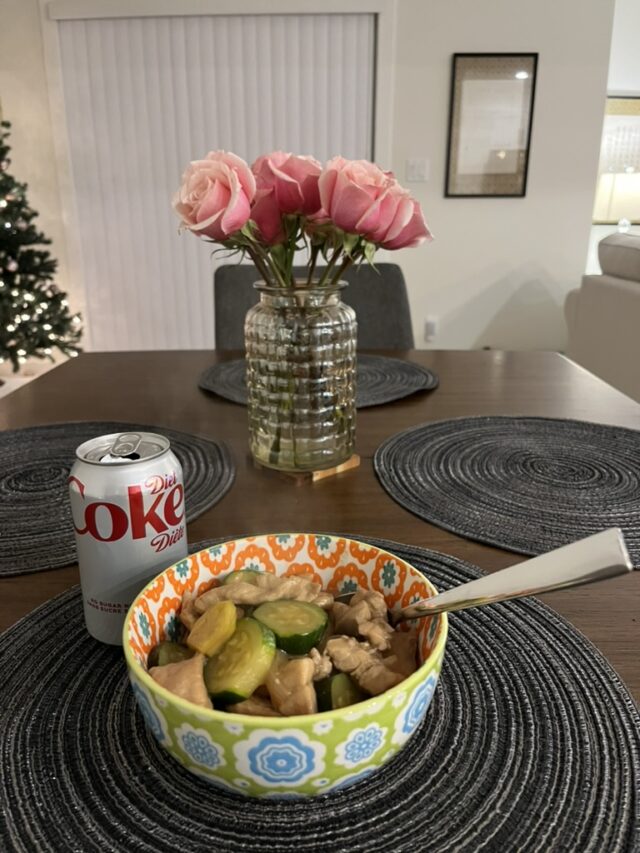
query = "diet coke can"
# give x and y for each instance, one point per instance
(127, 504)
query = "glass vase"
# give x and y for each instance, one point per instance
(301, 373)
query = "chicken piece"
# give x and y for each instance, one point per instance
(254, 706)
(290, 684)
(401, 656)
(267, 587)
(377, 633)
(188, 614)
(374, 599)
(185, 679)
(365, 616)
(322, 665)
(364, 664)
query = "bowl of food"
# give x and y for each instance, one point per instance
(250, 674)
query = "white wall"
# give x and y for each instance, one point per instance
(499, 269)
(624, 69)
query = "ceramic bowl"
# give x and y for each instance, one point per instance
(284, 756)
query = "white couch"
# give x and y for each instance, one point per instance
(603, 316)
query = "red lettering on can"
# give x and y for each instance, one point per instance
(119, 522)
(164, 540)
(139, 518)
(174, 502)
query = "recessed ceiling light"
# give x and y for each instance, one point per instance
(522, 75)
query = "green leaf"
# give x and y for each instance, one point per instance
(349, 242)
(369, 251)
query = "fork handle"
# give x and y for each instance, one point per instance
(596, 558)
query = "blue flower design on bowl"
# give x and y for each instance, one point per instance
(281, 759)
(143, 622)
(182, 569)
(361, 745)
(283, 537)
(323, 542)
(173, 628)
(418, 705)
(201, 750)
(348, 586)
(149, 715)
(388, 574)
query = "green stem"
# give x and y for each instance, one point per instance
(315, 251)
(330, 266)
(260, 265)
(343, 268)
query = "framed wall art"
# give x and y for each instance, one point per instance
(490, 120)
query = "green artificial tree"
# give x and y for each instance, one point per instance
(34, 312)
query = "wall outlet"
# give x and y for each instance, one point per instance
(430, 328)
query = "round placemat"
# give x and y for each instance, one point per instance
(531, 744)
(525, 484)
(36, 532)
(379, 380)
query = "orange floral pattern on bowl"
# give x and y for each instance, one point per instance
(283, 548)
(255, 558)
(303, 569)
(324, 559)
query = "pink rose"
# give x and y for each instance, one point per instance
(267, 217)
(293, 179)
(362, 199)
(214, 199)
(414, 233)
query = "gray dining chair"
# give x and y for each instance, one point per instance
(378, 296)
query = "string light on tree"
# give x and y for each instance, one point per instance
(28, 293)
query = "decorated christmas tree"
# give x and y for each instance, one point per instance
(34, 312)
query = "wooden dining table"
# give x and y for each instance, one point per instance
(160, 389)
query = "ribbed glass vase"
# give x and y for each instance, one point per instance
(301, 374)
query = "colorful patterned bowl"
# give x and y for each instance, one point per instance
(284, 756)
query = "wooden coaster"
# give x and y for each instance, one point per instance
(353, 462)
(313, 476)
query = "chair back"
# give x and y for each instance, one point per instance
(379, 298)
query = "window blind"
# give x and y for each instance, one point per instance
(143, 96)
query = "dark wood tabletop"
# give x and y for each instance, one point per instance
(160, 389)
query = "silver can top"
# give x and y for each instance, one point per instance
(122, 448)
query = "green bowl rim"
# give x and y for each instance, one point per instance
(211, 714)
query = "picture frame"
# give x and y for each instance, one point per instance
(490, 124)
(618, 188)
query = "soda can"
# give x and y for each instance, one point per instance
(127, 505)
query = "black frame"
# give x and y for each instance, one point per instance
(452, 112)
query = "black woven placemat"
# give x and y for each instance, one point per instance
(379, 380)
(36, 532)
(531, 744)
(525, 484)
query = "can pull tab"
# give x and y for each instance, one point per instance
(126, 444)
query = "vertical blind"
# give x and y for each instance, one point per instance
(143, 96)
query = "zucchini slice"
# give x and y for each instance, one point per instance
(168, 652)
(338, 691)
(242, 664)
(212, 630)
(298, 625)
(246, 575)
